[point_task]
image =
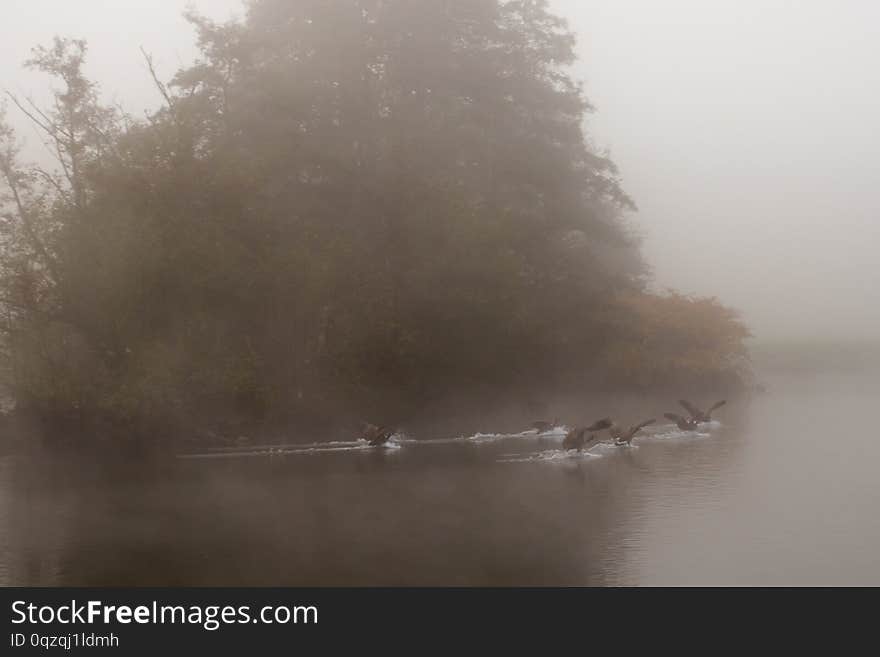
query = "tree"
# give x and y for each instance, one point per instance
(356, 204)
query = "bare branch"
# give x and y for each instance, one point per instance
(47, 127)
(33, 238)
(159, 84)
(49, 178)
(39, 118)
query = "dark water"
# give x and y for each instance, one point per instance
(785, 490)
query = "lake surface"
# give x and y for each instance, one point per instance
(784, 489)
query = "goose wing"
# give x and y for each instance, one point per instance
(634, 430)
(368, 431)
(716, 405)
(598, 425)
(381, 436)
(690, 408)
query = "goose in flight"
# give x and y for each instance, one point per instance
(683, 423)
(577, 437)
(374, 435)
(622, 437)
(697, 414)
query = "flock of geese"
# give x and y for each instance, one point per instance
(581, 437)
(577, 438)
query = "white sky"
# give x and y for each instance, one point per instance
(746, 130)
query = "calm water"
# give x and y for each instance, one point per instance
(784, 490)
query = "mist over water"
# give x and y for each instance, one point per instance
(779, 490)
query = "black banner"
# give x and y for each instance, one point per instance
(147, 621)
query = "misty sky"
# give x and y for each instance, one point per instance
(746, 131)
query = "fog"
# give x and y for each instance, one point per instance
(745, 131)
(355, 299)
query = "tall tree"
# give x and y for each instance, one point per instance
(342, 203)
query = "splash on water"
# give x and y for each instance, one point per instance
(551, 434)
(393, 444)
(404, 440)
(399, 439)
(672, 432)
(549, 456)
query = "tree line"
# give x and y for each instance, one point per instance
(358, 204)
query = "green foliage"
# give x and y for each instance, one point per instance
(337, 198)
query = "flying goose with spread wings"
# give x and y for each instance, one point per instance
(683, 423)
(375, 435)
(699, 415)
(622, 437)
(577, 437)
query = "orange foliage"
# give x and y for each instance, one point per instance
(673, 339)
